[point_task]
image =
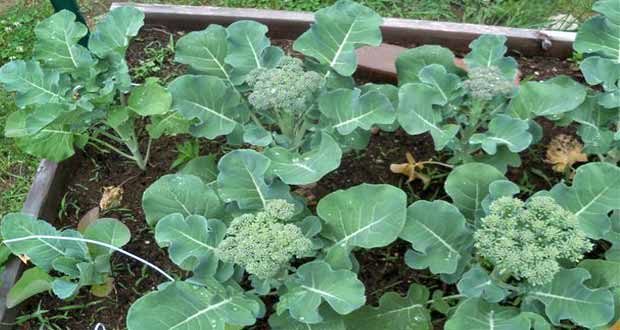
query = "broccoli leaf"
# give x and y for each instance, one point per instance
(331, 321)
(504, 131)
(347, 110)
(338, 30)
(476, 283)
(468, 185)
(57, 43)
(394, 312)
(595, 192)
(109, 231)
(367, 215)
(180, 193)
(191, 241)
(477, 314)
(306, 168)
(204, 167)
(411, 61)
(599, 35)
(33, 281)
(180, 305)
(249, 48)
(218, 107)
(567, 298)
(112, 34)
(317, 281)
(32, 84)
(439, 237)
(552, 97)
(489, 50)
(205, 51)
(242, 179)
(149, 99)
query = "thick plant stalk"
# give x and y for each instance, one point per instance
(111, 247)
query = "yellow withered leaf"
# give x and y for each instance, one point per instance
(410, 170)
(111, 198)
(563, 152)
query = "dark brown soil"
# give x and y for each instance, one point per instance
(382, 270)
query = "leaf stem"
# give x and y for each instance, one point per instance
(111, 247)
(111, 147)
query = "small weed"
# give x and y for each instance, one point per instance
(187, 151)
(156, 56)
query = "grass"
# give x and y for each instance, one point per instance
(516, 13)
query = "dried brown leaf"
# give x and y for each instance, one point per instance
(563, 152)
(410, 170)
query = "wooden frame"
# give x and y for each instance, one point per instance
(290, 24)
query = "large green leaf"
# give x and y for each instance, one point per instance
(180, 305)
(411, 61)
(438, 235)
(242, 179)
(468, 185)
(346, 110)
(600, 34)
(551, 97)
(476, 283)
(40, 251)
(205, 51)
(33, 281)
(367, 215)
(149, 99)
(33, 119)
(57, 43)
(109, 231)
(567, 298)
(249, 48)
(599, 70)
(32, 84)
(595, 192)
(317, 281)
(489, 50)
(180, 193)
(307, 168)
(112, 34)
(395, 312)
(217, 106)
(604, 273)
(191, 241)
(477, 314)
(171, 124)
(337, 31)
(55, 142)
(504, 131)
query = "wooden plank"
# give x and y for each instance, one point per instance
(406, 32)
(48, 187)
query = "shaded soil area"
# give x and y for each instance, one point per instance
(382, 270)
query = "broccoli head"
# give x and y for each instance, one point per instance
(286, 87)
(529, 239)
(261, 243)
(485, 83)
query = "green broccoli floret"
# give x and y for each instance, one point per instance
(286, 87)
(485, 83)
(261, 243)
(529, 239)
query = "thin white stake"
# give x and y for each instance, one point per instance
(111, 247)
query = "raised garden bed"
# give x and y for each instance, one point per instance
(382, 269)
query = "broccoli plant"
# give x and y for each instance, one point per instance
(483, 114)
(304, 113)
(68, 255)
(70, 96)
(519, 263)
(528, 240)
(599, 116)
(262, 244)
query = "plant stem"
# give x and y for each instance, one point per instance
(111, 147)
(455, 296)
(111, 247)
